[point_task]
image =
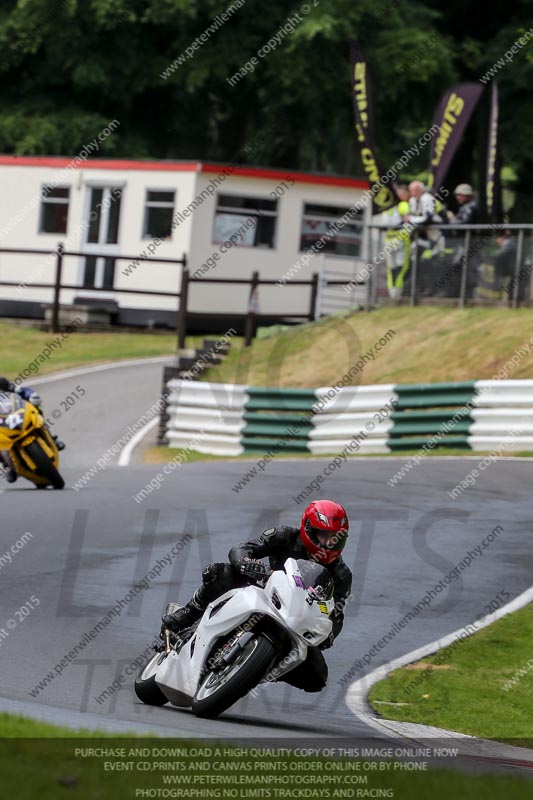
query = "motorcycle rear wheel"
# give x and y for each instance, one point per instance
(146, 688)
(44, 465)
(220, 690)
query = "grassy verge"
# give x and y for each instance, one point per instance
(47, 767)
(162, 455)
(14, 726)
(429, 344)
(426, 344)
(21, 346)
(466, 687)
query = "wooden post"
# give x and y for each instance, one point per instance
(57, 287)
(181, 325)
(249, 324)
(314, 294)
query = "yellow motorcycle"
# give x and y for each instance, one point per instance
(32, 450)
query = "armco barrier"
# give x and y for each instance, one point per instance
(229, 420)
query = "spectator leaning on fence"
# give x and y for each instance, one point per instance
(468, 214)
(421, 204)
(468, 210)
(430, 241)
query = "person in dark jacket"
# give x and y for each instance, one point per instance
(321, 537)
(468, 210)
(467, 214)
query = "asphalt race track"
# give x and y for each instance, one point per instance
(89, 548)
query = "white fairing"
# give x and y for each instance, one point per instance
(307, 622)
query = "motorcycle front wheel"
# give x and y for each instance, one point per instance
(146, 688)
(44, 465)
(221, 689)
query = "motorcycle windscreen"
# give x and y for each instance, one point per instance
(11, 410)
(303, 613)
(316, 576)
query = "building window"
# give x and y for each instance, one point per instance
(317, 221)
(158, 214)
(245, 221)
(54, 209)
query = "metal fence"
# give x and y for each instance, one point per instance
(451, 264)
(447, 264)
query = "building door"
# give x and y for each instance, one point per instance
(101, 237)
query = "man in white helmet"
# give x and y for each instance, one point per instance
(468, 214)
(468, 211)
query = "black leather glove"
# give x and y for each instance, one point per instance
(173, 637)
(252, 569)
(168, 622)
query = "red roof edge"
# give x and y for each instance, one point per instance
(274, 173)
(266, 173)
(99, 163)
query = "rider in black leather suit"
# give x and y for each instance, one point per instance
(321, 537)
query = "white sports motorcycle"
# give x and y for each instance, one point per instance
(247, 636)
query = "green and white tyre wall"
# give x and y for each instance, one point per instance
(359, 413)
(503, 414)
(228, 420)
(206, 417)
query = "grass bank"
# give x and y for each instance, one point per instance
(21, 346)
(482, 686)
(423, 344)
(426, 345)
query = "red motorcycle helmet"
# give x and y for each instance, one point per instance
(324, 530)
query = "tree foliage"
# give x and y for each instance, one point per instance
(69, 67)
